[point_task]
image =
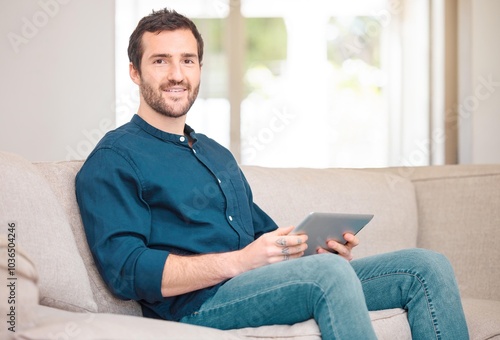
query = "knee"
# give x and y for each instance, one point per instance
(322, 262)
(328, 269)
(419, 256)
(427, 261)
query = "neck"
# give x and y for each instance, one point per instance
(163, 123)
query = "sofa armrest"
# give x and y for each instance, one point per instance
(19, 292)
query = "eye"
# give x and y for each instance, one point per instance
(159, 61)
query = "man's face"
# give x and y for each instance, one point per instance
(170, 72)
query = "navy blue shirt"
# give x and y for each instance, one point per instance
(144, 194)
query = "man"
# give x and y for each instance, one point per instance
(171, 222)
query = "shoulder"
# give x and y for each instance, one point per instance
(119, 137)
(113, 152)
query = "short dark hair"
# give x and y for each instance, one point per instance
(157, 21)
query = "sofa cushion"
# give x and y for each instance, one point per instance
(61, 178)
(288, 195)
(49, 323)
(44, 232)
(390, 324)
(483, 318)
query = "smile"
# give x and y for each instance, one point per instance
(175, 90)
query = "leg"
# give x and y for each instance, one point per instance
(420, 281)
(323, 287)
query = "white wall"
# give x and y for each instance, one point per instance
(479, 79)
(57, 76)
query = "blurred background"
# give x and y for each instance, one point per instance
(285, 83)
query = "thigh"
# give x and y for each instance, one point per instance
(273, 294)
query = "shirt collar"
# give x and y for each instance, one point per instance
(165, 136)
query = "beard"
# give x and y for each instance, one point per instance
(156, 101)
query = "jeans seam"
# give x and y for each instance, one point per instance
(421, 280)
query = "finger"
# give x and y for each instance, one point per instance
(289, 257)
(302, 238)
(352, 240)
(290, 240)
(282, 233)
(342, 250)
(294, 250)
(323, 250)
(334, 245)
(283, 230)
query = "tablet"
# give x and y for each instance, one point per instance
(320, 227)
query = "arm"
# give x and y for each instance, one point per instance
(117, 225)
(183, 274)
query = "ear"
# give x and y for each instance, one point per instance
(134, 74)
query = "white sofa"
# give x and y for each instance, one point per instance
(59, 294)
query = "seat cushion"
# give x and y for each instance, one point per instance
(483, 318)
(49, 323)
(390, 324)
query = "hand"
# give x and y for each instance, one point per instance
(343, 250)
(273, 247)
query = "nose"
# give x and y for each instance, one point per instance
(175, 73)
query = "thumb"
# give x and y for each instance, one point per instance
(283, 230)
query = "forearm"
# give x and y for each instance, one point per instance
(184, 274)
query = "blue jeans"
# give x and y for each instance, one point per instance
(339, 294)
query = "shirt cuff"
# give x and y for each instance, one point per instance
(149, 274)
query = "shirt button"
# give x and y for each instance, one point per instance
(230, 218)
(194, 150)
(182, 139)
(219, 181)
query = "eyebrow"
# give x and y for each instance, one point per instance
(168, 55)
